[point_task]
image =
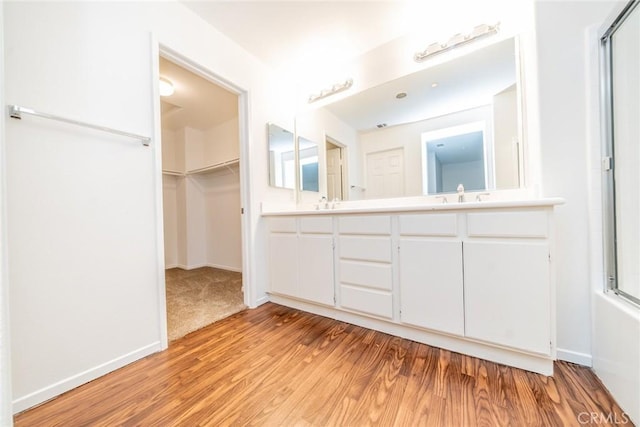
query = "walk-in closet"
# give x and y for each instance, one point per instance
(201, 200)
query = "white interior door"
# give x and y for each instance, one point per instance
(334, 174)
(385, 174)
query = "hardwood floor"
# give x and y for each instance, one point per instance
(276, 366)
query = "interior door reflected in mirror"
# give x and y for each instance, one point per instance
(308, 155)
(282, 169)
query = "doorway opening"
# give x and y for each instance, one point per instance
(200, 128)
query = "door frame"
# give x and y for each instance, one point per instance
(344, 169)
(249, 287)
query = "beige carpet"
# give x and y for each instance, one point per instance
(199, 297)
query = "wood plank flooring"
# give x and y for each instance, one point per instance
(276, 366)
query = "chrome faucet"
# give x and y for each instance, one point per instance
(324, 202)
(460, 190)
(444, 198)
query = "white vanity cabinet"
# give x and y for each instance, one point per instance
(365, 271)
(475, 278)
(301, 258)
(507, 289)
(431, 272)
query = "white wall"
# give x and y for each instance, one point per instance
(6, 416)
(170, 217)
(222, 143)
(562, 83)
(82, 222)
(409, 137)
(222, 230)
(594, 328)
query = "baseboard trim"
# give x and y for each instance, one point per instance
(226, 267)
(262, 300)
(540, 364)
(574, 357)
(49, 392)
(193, 267)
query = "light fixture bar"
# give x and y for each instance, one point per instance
(479, 32)
(336, 88)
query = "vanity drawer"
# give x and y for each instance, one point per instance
(429, 225)
(371, 301)
(365, 225)
(530, 223)
(318, 225)
(376, 249)
(282, 225)
(371, 275)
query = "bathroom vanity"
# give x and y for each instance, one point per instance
(475, 278)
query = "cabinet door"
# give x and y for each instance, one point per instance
(431, 293)
(316, 268)
(283, 265)
(507, 295)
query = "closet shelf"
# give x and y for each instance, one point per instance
(217, 166)
(172, 173)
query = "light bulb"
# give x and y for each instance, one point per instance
(166, 87)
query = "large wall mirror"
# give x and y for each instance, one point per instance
(457, 122)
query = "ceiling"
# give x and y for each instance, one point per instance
(196, 103)
(282, 32)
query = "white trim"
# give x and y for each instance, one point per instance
(91, 374)
(225, 267)
(262, 300)
(583, 359)
(160, 49)
(6, 418)
(159, 190)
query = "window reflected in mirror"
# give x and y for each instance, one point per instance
(308, 154)
(454, 156)
(282, 169)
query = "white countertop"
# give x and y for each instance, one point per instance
(412, 206)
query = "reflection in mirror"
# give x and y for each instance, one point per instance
(391, 121)
(308, 154)
(282, 170)
(454, 156)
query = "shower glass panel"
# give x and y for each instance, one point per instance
(621, 47)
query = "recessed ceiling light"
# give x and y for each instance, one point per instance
(434, 84)
(401, 95)
(166, 87)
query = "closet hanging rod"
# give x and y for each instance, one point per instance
(16, 112)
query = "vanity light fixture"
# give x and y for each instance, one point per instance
(479, 32)
(166, 87)
(336, 88)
